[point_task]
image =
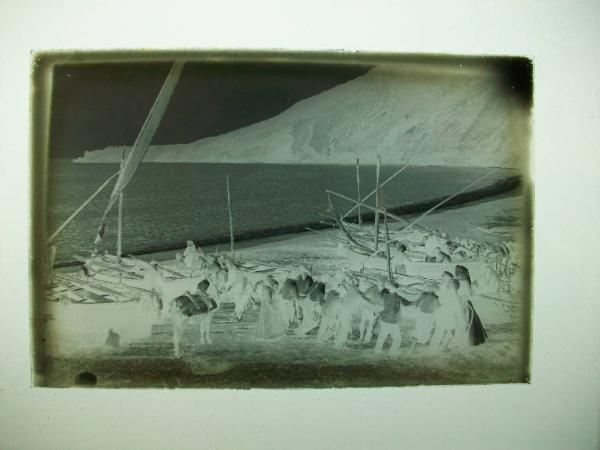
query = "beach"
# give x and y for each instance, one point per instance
(237, 359)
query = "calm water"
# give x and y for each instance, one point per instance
(166, 204)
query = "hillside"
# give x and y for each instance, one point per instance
(458, 118)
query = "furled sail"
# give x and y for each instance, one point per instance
(142, 143)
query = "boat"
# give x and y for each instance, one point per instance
(108, 294)
(407, 244)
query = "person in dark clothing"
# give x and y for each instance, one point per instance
(389, 321)
(477, 333)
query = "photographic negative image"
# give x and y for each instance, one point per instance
(280, 220)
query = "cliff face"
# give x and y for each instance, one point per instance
(459, 118)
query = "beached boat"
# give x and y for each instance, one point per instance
(109, 295)
(403, 254)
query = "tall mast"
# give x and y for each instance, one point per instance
(362, 201)
(120, 225)
(359, 198)
(387, 246)
(230, 217)
(142, 142)
(378, 170)
(78, 210)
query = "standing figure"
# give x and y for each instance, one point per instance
(450, 320)
(190, 256)
(304, 283)
(441, 256)
(270, 320)
(401, 259)
(312, 307)
(432, 242)
(353, 304)
(179, 261)
(329, 316)
(426, 304)
(367, 326)
(238, 287)
(476, 332)
(389, 321)
(288, 297)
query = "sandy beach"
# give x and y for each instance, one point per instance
(237, 359)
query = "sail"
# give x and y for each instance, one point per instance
(142, 143)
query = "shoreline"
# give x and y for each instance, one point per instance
(494, 191)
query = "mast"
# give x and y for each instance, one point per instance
(446, 200)
(398, 172)
(230, 218)
(377, 171)
(358, 197)
(120, 225)
(72, 216)
(387, 246)
(142, 142)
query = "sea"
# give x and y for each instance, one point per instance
(168, 203)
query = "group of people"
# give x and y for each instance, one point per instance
(337, 304)
(447, 315)
(334, 305)
(433, 246)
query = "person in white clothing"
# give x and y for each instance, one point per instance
(450, 319)
(190, 256)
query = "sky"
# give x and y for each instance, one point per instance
(99, 105)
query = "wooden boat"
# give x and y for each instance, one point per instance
(108, 294)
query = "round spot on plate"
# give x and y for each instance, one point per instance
(86, 379)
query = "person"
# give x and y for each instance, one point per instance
(304, 282)
(112, 340)
(401, 259)
(350, 298)
(92, 265)
(425, 305)
(179, 260)
(312, 307)
(329, 315)
(270, 320)
(450, 320)
(432, 242)
(271, 281)
(288, 296)
(190, 255)
(389, 321)
(446, 243)
(197, 302)
(475, 329)
(441, 256)
(488, 282)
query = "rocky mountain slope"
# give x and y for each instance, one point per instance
(458, 118)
